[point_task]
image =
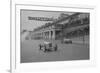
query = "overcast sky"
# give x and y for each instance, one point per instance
(31, 24)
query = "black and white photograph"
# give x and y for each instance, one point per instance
(47, 36)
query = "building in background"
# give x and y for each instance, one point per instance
(66, 26)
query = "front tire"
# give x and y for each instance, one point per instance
(71, 42)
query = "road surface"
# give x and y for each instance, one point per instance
(30, 52)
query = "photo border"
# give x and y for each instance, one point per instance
(14, 66)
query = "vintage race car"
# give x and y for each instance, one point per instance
(66, 41)
(48, 46)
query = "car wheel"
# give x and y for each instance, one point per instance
(71, 42)
(40, 46)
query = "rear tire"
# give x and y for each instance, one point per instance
(40, 46)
